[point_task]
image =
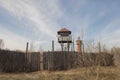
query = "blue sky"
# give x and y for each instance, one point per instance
(38, 21)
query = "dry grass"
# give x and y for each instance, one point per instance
(91, 73)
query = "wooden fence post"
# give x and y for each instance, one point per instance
(26, 56)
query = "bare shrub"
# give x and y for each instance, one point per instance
(116, 52)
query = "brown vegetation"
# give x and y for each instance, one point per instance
(89, 73)
(68, 60)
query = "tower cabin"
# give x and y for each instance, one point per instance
(64, 37)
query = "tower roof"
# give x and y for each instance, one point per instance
(64, 30)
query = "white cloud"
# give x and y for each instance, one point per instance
(41, 14)
(13, 41)
(110, 33)
(27, 9)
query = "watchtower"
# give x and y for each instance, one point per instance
(64, 38)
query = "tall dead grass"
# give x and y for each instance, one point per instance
(87, 73)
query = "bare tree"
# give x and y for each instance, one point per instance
(99, 47)
(91, 47)
(104, 49)
(116, 52)
(82, 37)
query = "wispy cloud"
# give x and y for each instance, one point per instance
(15, 42)
(42, 18)
(11, 40)
(111, 38)
(26, 9)
(41, 14)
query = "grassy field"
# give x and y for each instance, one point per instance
(90, 73)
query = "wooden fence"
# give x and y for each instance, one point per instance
(68, 60)
(33, 61)
(12, 61)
